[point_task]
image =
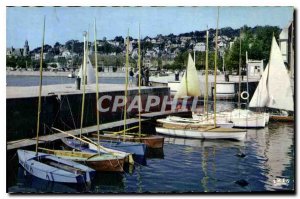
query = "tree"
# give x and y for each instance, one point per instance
(256, 41)
(56, 47)
(119, 39)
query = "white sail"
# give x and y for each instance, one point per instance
(274, 89)
(90, 72)
(189, 85)
(260, 96)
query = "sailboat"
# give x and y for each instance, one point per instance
(125, 149)
(101, 160)
(189, 87)
(274, 89)
(240, 118)
(50, 167)
(202, 132)
(90, 76)
(151, 141)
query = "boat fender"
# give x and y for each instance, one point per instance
(243, 95)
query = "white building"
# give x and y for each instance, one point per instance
(255, 68)
(200, 47)
(283, 43)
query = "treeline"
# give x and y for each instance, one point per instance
(256, 41)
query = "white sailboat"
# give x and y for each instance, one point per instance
(90, 72)
(187, 86)
(213, 131)
(241, 118)
(51, 167)
(274, 90)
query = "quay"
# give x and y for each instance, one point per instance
(226, 89)
(56, 136)
(61, 108)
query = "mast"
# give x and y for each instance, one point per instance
(139, 65)
(84, 79)
(215, 83)
(240, 62)
(40, 91)
(97, 86)
(247, 78)
(126, 83)
(206, 77)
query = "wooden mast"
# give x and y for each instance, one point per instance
(240, 63)
(215, 73)
(206, 77)
(97, 86)
(40, 91)
(83, 72)
(139, 66)
(126, 84)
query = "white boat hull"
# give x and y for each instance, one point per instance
(178, 121)
(209, 134)
(37, 168)
(240, 118)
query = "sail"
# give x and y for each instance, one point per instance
(275, 83)
(260, 96)
(90, 72)
(189, 85)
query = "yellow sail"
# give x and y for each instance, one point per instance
(189, 85)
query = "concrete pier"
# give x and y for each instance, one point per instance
(61, 107)
(225, 89)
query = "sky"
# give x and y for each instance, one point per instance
(65, 23)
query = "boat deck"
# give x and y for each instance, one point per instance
(163, 114)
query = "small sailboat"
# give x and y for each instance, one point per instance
(274, 89)
(104, 160)
(202, 131)
(53, 168)
(151, 141)
(241, 118)
(90, 77)
(49, 167)
(123, 149)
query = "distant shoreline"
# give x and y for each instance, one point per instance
(59, 73)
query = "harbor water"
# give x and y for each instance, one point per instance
(263, 162)
(12, 80)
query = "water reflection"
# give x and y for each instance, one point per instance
(274, 147)
(191, 165)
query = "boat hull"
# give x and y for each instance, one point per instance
(257, 122)
(134, 148)
(190, 122)
(151, 141)
(36, 167)
(216, 133)
(114, 165)
(240, 118)
(99, 162)
(280, 118)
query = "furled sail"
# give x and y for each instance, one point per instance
(90, 72)
(275, 86)
(189, 85)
